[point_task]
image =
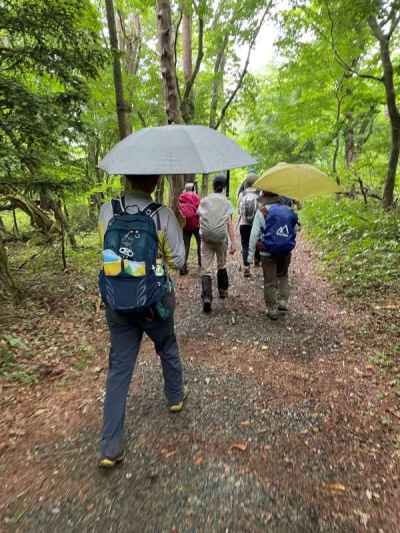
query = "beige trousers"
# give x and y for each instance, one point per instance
(209, 250)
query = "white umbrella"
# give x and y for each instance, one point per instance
(175, 149)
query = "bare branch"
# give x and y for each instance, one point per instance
(338, 57)
(244, 71)
(122, 24)
(141, 118)
(216, 83)
(394, 17)
(200, 54)
(376, 28)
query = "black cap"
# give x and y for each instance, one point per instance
(219, 182)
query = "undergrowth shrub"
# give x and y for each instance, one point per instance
(360, 243)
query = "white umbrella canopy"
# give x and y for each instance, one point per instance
(177, 149)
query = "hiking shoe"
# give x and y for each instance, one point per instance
(223, 293)
(283, 306)
(246, 272)
(207, 306)
(108, 462)
(272, 314)
(177, 407)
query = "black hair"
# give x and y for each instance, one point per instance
(145, 183)
(219, 183)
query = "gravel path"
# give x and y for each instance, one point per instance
(278, 434)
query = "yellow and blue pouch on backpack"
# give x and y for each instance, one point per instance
(128, 282)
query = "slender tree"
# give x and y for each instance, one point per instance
(122, 108)
(167, 62)
(168, 72)
(377, 27)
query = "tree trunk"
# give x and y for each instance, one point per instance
(349, 147)
(334, 159)
(187, 43)
(39, 219)
(204, 185)
(177, 184)
(122, 108)
(388, 190)
(168, 72)
(188, 102)
(394, 114)
(7, 285)
(15, 222)
(217, 82)
(64, 226)
(167, 61)
(160, 190)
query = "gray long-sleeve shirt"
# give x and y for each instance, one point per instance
(256, 230)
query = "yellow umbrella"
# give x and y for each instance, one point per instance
(296, 181)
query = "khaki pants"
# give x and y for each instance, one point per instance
(276, 283)
(209, 250)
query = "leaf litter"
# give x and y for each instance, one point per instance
(286, 400)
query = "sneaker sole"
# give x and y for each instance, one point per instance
(110, 463)
(178, 407)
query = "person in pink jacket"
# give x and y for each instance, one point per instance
(188, 204)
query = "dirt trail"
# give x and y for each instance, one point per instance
(285, 429)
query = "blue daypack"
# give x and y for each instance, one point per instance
(279, 234)
(130, 280)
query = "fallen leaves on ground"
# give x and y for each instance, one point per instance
(242, 446)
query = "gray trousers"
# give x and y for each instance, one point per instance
(126, 333)
(276, 283)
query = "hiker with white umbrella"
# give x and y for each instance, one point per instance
(141, 241)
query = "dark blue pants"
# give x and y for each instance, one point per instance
(126, 333)
(245, 232)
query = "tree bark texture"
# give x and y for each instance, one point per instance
(349, 141)
(190, 73)
(204, 185)
(176, 185)
(122, 109)
(187, 102)
(129, 33)
(393, 111)
(39, 219)
(217, 82)
(167, 61)
(187, 44)
(7, 285)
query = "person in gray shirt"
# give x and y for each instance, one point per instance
(127, 329)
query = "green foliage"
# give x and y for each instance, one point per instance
(361, 244)
(13, 352)
(323, 112)
(49, 48)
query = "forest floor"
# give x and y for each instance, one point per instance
(291, 426)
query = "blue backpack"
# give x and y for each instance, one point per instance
(130, 280)
(279, 235)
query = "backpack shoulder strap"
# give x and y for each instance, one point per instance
(153, 210)
(118, 205)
